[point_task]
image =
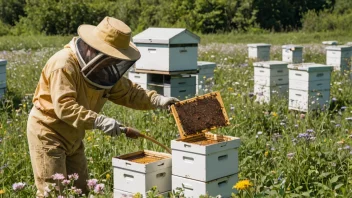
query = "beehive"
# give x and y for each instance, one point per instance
(259, 51)
(270, 79)
(339, 56)
(198, 154)
(2, 77)
(138, 172)
(204, 75)
(309, 86)
(292, 53)
(167, 49)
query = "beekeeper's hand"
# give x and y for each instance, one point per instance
(108, 125)
(163, 102)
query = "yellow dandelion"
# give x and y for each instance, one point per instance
(274, 114)
(2, 192)
(243, 185)
(89, 138)
(108, 176)
(230, 88)
(266, 153)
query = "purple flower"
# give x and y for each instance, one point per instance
(58, 176)
(310, 131)
(74, 176)
(66, 182)
(18, 186)
(347, 147)
(337, 125)
(99, 188)
(303, 135)
(92, 183)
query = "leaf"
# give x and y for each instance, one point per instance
(323, 186)
(338, 186)
(323, 175)
(298, 188)
(334, 179)
(306, 194)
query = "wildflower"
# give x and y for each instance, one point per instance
(2, 192)
(348, 119)
(274, 114)
(310, 131)
(99, 188)
(92, 183)
(302, 116)
(266, 153)
(18, 186)
(58, 176)
(108, 176)
(65, 182)
(296, 125)
(232, 108)
(74, 176)
(337, 125)
(243, 185)
(341, 142)
(77, 191)
(339, 149)
(290, 155)
(343, 108)
(347, 147)
(260, 132)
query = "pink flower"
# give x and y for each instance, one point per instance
(74, 176)
(66, 182)
(58, 176)
(18, 186)
(77, 191)
(99, 188)
(92, 183)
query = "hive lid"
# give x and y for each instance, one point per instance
(3, 62)
(292, 47)
(310, 67)
(205, 64)
(330, 42)
(258, 45)
(200, 114)
(166, 36)
(339, 48)
(270, 64)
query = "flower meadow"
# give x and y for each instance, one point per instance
(282, 154)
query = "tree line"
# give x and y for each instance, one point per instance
(62, 17)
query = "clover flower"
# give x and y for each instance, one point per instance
(18, 186)
(65, 182)
(74, 176)
(58, 176)
(92, 183)
(99, 188)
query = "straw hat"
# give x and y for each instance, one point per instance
(111, 37)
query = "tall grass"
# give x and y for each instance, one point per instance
(278, 153)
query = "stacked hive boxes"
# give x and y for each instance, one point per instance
(204, 75)
(202, 162)
(339, 56)
(138, 172)
(309, 86)
(292, 53)
(259, 51)
(168, 58)
(270, 77)
(2, 77)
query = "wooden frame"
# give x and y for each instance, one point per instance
(182, 133)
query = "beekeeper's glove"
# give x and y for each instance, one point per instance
(163, 102)
(108, 125)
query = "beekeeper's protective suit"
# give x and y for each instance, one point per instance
(73, 87)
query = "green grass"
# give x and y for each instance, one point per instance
(318, 168)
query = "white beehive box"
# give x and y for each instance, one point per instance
(339, 56)
(309, 86)
(330, 42)
(202, 162)
(264, 93)
(167, 49)
(138, 172)
(270, 68)
(123, 194)
(179, 86)
(2, 77)
(139, 78)
(194, 189)
(259, 51)
(292, 53)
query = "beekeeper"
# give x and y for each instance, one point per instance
(73, 87)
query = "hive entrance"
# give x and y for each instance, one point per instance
(144, 158)
(199, 114)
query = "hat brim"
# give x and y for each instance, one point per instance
(86, 33)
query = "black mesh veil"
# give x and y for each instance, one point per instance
(99, 69)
